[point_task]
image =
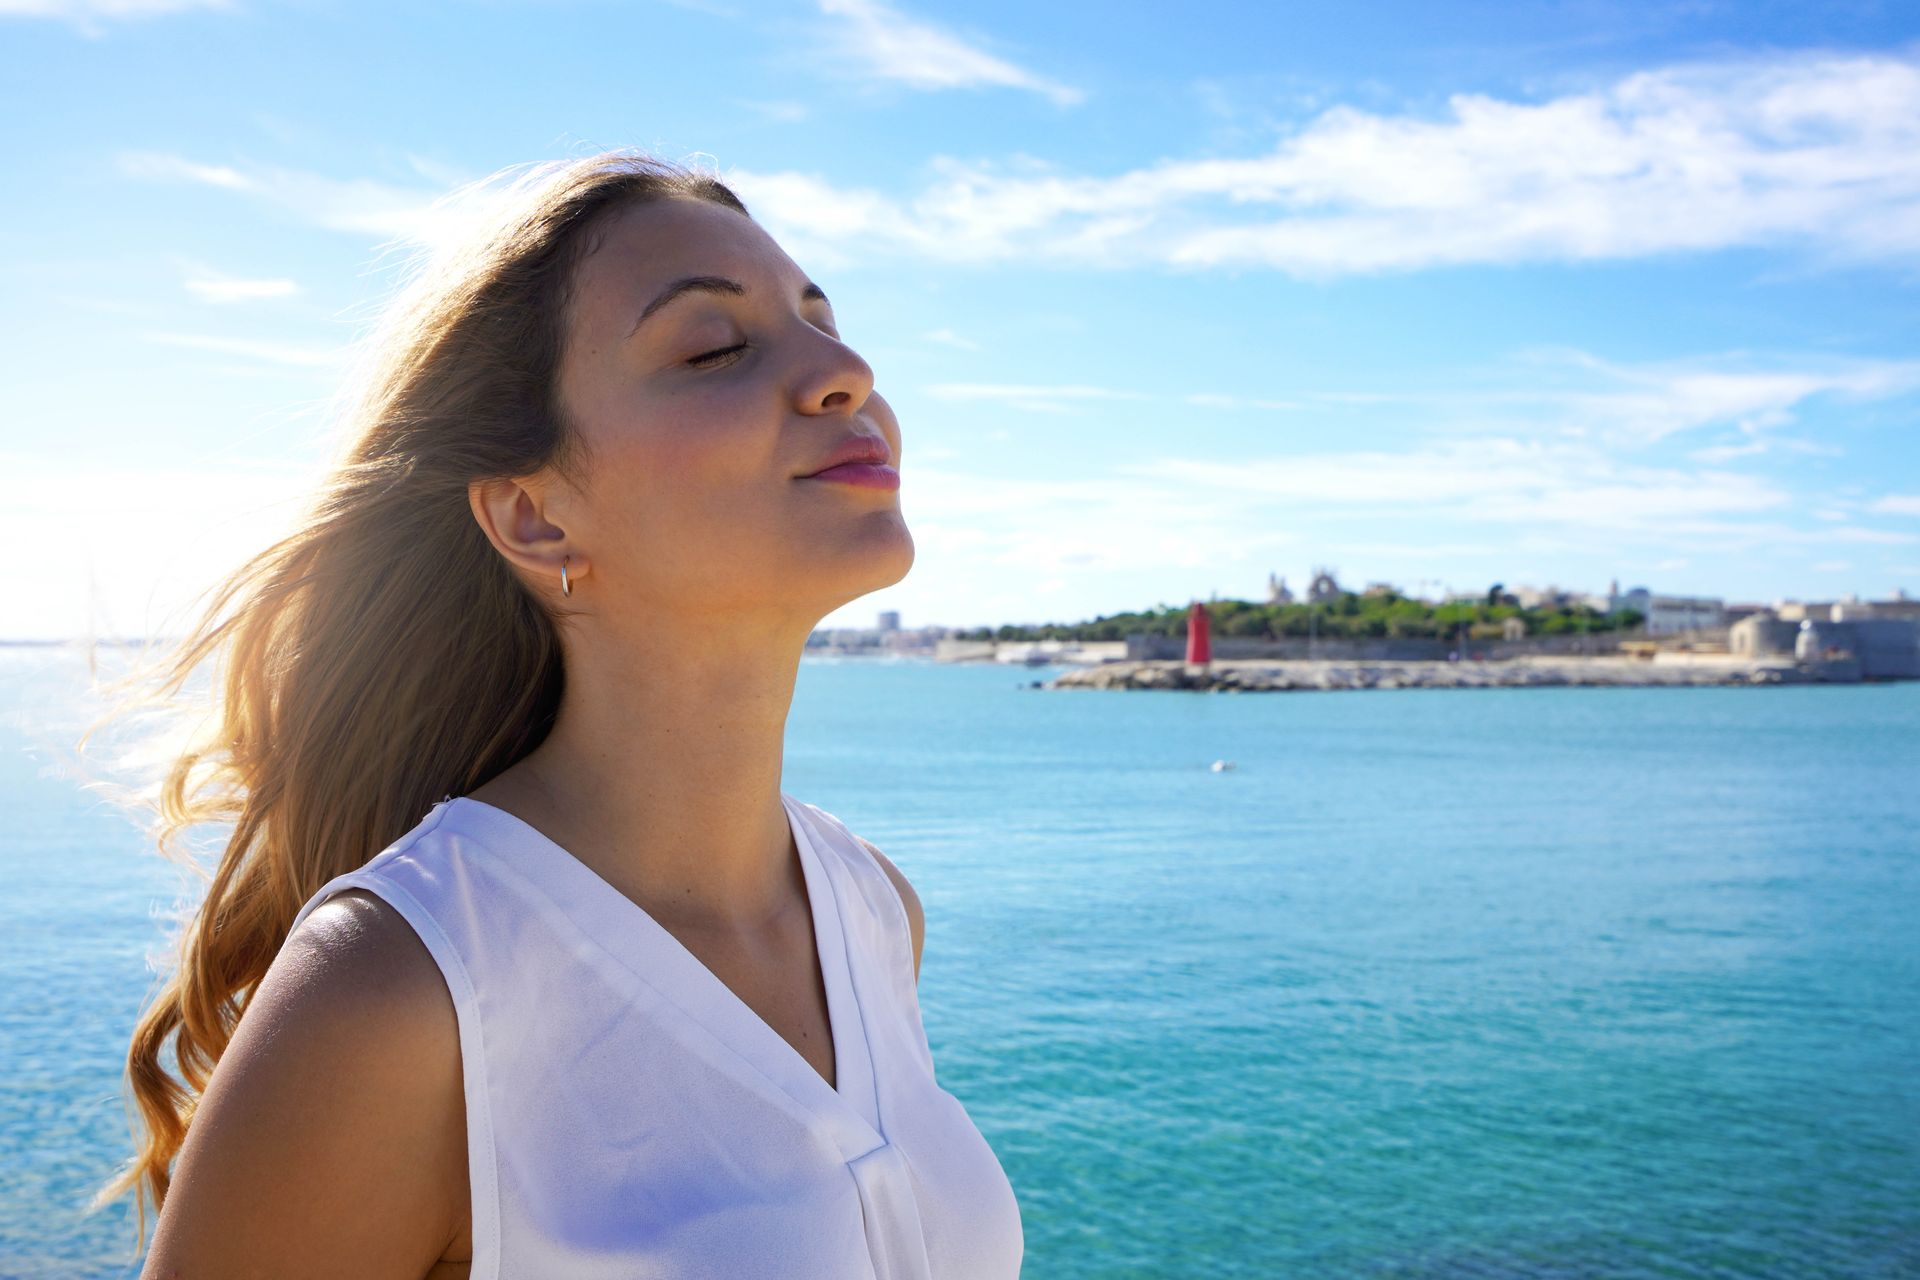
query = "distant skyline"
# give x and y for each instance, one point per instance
(1166, 298)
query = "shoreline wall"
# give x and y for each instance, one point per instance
(1142, 648)
(1518, 673)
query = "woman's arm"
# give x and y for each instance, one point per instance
(331, 1139)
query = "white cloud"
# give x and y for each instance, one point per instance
(1004, 391)
(1561, 496)
(1819, 152)
(209, 285)
(1211, 400)
(282, 353)
(90, 17)
(1494, 480)
(1652, 401)
(1570, 394)
(990, 524)
(948, 338)
(776, 112)
(909, 51)
(1033, 399)
(162, 165)
(1750, 401)
(1898, 504)
(1728, 452)
(392, 212)
(1858, 536)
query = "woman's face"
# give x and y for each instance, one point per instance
(707, 375)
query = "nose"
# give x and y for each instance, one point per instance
(836, 379)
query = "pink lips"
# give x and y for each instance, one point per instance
(867, 475)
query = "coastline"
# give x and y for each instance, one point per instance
(1278, 675)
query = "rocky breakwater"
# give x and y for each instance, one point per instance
(1264, 676)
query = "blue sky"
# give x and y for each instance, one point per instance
(1166, 297)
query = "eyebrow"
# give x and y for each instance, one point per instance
(711, 284)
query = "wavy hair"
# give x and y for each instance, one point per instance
(383, 655)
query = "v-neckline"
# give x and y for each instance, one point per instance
(625, 928)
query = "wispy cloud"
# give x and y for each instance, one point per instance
(948, 338)
(1748, 400)
(775, 112)
(1006, 391)
(1213, 400)
(996, 521)
(208, 285)
(1042, 398)
(1744, 404)
(1821, 152)
(1567, 394)
(91, 17)
(1898, 504)
(168, 167)
(1494, 479)
(417, 214)
(892, 46)
(281, 353)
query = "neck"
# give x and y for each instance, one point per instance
(662, 773)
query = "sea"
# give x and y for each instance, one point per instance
(1409, 984)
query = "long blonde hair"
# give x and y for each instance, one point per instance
(382, 656)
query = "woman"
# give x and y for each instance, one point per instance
(542, 974)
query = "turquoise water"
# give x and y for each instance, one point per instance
(1491, 983)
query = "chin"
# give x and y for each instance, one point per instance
(882, 566)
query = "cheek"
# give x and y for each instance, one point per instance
(708, 464)
(715, 442)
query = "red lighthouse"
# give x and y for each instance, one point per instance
(1199, 642)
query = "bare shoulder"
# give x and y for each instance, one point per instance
(331, 1138)
(916, 918)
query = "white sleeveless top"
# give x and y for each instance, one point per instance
(629, 1116)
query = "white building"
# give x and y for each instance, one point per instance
(1670, 615)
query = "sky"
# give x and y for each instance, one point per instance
(1166, 297)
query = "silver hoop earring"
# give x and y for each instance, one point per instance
(566, 588)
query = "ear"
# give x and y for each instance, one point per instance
(519, 518)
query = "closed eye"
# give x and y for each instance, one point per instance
(716, 357)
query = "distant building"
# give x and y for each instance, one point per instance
(889, 620)
(1324, 587)
(1513, 629)
(1800, 611)
(1763, 635)
(1277, 590)
(1547, 597)
(1669, 615)
(1886, 648)
(1898, 605)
